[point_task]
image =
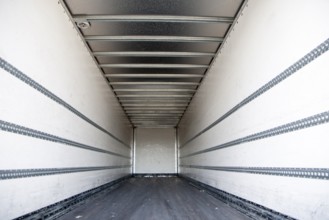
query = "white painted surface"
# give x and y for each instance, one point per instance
(155, 150)
(34, 193)
(38, 38)
(269, 37)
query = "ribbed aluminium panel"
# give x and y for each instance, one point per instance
(139, 42)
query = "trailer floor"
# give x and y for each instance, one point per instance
(155, 198)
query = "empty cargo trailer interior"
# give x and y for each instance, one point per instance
(164, 109)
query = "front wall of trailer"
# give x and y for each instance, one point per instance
(268, 38)
(84, 128)
(155, 150)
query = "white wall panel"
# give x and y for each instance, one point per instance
(286, 150)
(287, 105)
(40, 41)
(155, 150)
(27, 152)
(269, 37)
(266, 40)
(49, 51)
(33, 193)
(294, 197)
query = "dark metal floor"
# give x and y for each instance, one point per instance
(155, 198)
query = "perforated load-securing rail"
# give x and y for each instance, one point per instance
(24, 173)
(29, 81)
(17, 129)
(312, 173)
(309, 57)
(311, 121)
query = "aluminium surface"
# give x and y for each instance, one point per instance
(153, 53)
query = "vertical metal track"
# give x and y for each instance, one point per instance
(176, 151)
(134, 152)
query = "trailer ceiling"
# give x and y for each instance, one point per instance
(153, 53)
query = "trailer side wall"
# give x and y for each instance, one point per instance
(58, 115)
(225, 138)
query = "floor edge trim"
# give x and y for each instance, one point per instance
(249, 208)
(60, 208)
